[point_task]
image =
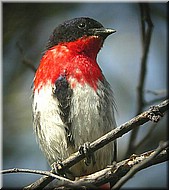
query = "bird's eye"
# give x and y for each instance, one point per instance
(82, 25)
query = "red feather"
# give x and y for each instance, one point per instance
(75, 60)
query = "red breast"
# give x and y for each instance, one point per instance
(75, 60)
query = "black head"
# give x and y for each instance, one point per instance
(76, 28)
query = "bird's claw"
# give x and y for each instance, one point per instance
(85, 149)
(57, 167)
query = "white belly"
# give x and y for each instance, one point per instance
(91, 116)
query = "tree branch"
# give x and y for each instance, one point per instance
(118, 173)
(140, 166)
(146, 39)
(25, 61)
(135, 163)
(146, 137)
(153, 114)
(61, 180)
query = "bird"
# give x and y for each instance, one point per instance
(73, 103)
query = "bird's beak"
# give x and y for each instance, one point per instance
(104, 32)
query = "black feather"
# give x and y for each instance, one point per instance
(71, 30)
(63, 92)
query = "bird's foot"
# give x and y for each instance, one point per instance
(57, 167)
(85, 149)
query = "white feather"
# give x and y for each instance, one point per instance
(91, 116)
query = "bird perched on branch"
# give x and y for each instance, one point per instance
(72, 101)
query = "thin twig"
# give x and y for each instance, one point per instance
(62, 180)
(29, 64)
(148, 103)
(146, 38)
(162, 94)
(116, 171)
(25, 61)
(146, 137)
(112, 173)
(139, 166)
(142, 13)
(157, 92)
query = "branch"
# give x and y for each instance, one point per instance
(145, 18)
(146, 39)
(153, 114)
(61, 180)
(162, 93)
(146, 137)
(140, 165)
(135, 163)
(117, 173)
(25, 61)
(157, 92)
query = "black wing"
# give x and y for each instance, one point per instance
(63, 92)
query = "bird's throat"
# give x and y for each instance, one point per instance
(87, 45)
(74, 61)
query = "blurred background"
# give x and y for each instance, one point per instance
(26, 29)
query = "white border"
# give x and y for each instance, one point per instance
(1, 102)
(1, 39)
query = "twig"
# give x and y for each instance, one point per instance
(146, 137)
(112, 173)
(155, 100)
(139, 166)
(146, 44)
(29, 64)
(115, 172)
(146, 38)
(156, 92)
(118, 132)
(62, 180)
(162, 93)
(151, 114)
(25, 61)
